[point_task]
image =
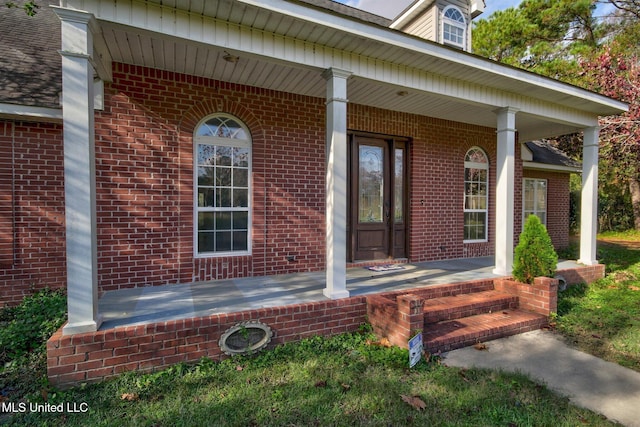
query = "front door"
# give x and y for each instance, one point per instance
(378, 196)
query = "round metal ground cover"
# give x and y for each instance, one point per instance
(245, 338)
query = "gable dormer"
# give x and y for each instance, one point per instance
(442, 21)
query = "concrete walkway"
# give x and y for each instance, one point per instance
(587, 381)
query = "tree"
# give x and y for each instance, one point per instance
(631, 7)
(30, 7)
(501, 38)
(618, 77)
(534, 256)
(565, 40)
(543, 36)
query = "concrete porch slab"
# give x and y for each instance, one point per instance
(155, 327)
(138, 306)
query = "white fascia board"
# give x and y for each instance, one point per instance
(405, 17)
(339, 24)
(30, 113)
(549, 168)
(402, 40)
(525, 153)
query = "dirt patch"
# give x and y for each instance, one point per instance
(629, 244)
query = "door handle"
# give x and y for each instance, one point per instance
(387, 212)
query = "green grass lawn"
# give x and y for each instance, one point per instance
(603, 318)
(342, 381)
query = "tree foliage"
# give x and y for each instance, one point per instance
(543, 36)
(534, 255)
(565, 39)
(618, 76)
(30, 7)
(630, 7)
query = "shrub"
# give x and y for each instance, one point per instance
(534, 255)
(27, 327)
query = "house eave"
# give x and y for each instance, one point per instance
(593, 102)
(550, 168)
(284, 45)
(183, 19)
(30, 113)
(412, 11)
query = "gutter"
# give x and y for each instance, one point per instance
(550, 168)
(30, 113)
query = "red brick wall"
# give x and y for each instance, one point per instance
(93, 356)
(586, 274)
(437, 156)
(557, 205)
(33, 155)
(540, 297)
(144, 150)
(145, 154)
(6, 195)
(144, 171)
(88, 357)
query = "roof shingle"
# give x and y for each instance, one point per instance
(547, 154)
(30, 63)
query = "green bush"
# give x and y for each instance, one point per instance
(534, 255)
(26, 327)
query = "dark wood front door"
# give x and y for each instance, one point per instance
(378, 198)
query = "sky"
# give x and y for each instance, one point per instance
(390, 9)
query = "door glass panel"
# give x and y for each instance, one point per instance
(371, 184)
(398, 201)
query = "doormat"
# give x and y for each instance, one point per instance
(386, 267)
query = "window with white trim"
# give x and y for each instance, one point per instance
(534, 199)
(222, 174)
(476, 195)
(454, 27)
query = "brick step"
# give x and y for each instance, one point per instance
(458, 333)
(464, 305)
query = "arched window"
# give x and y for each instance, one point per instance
(454, 27)
(476, 195)
(222, 173)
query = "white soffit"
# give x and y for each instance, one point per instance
(155, 34)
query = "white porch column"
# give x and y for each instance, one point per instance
(505, 176)
(79, 171)
(589, 198)
(336, 183)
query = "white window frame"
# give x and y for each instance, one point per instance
(535, 210)
(456, 25)
(234, 142)
(484, 166)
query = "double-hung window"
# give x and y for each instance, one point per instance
(534, 199)
(476, 195)
(222, 169)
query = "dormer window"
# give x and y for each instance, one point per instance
(454, 27)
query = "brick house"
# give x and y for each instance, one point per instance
(149, 143)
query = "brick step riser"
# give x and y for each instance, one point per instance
(476, 333)
(439, 315)
(443, 291)
(435, 346)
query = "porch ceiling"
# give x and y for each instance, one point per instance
(144, 44)
(153, 50)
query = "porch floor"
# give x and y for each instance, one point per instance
(143, 305)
